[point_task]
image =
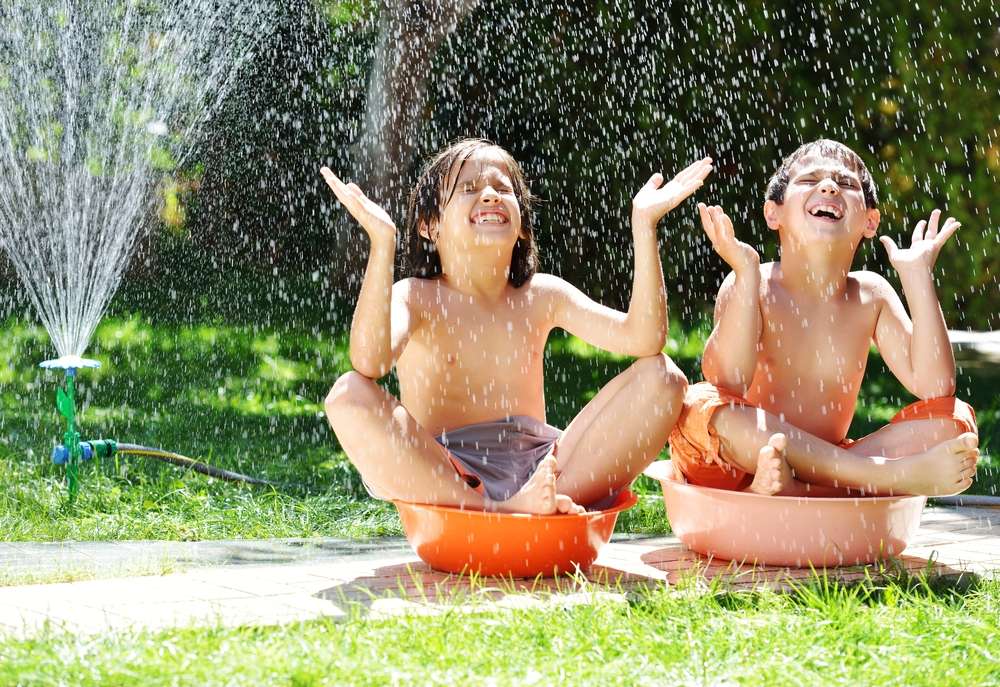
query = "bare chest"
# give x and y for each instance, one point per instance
(823, 344)
(464, 347)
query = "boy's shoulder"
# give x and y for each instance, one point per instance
(543, 281)
(872, 284)
(416, 291)
(543, 286)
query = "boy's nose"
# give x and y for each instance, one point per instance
(829, 187)
(490, 195)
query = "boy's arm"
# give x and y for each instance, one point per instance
(730, 356)
(381, 321)
(918, 352)
(642, 331)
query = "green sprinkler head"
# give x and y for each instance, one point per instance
(66, 405)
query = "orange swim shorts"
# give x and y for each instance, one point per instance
(694, 447)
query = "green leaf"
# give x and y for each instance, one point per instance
(64, 404)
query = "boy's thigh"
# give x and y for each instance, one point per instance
(374, 428)
(627, 422)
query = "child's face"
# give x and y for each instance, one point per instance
(483, 210)
(824, 202)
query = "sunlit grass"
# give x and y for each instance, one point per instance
(902, 632)
(249, 399)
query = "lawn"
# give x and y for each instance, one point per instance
(903, 632)
(248, 397)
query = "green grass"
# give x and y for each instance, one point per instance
(904, 632)
(248, 398)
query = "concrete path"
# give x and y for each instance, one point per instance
(278, 581)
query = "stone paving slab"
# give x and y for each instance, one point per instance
(297, 580)
(39, 558)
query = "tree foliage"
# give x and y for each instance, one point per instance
(593, 96)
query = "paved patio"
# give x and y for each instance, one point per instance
(279, 581)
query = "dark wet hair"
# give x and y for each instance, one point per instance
(433, 191)
(778, 184)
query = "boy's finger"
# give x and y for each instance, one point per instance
(707, 223)
(718, 216)
(699, 168)
(890, 245)
(950, 227)
(932, 226)
(918, 232)
(654, 182)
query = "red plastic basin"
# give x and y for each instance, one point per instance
(508, 544)
(786, 530)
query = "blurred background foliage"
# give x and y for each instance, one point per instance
(592, 97)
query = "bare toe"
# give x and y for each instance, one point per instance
(565, 504)
(778, 442)
(963, 443)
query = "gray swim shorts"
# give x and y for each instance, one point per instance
(498, 458)
(501, 455)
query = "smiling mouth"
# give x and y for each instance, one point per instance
(490, 218)
(826, 211)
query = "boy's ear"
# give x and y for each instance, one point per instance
(771, 210)
(424, 230)
(872, 218)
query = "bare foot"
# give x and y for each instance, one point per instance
(538, 495)
(945, 469)
(774, 475)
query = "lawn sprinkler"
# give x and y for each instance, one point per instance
(72, 452)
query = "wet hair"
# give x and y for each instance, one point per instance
(778, 184)
(434, 189)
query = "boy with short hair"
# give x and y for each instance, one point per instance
(786, 358)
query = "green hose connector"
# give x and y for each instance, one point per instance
(66, 405)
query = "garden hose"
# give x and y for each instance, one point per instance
(184, 461)
(106, 448)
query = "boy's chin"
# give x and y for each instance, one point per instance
(818, 231)
(496, 235)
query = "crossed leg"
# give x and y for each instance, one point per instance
(937, 456)
(399, 459)
(621, 430)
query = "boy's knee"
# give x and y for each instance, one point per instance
(669, 379)
(351, 389)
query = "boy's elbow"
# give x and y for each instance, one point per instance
(368, 367)
(715, 374)
(943, 389)
(648, 347)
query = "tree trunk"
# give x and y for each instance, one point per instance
(410, 35)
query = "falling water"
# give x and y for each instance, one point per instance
(98, 102)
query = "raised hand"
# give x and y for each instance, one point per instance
(655, 199)
(373, 219)
(925, 244)
(719, 228)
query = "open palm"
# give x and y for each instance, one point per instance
(656, 199)
(925, 243)
(370, 215)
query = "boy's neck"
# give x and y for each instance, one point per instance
(480, 278)
(815, 270)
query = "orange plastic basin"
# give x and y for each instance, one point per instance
(508, 544)
(786, 530)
